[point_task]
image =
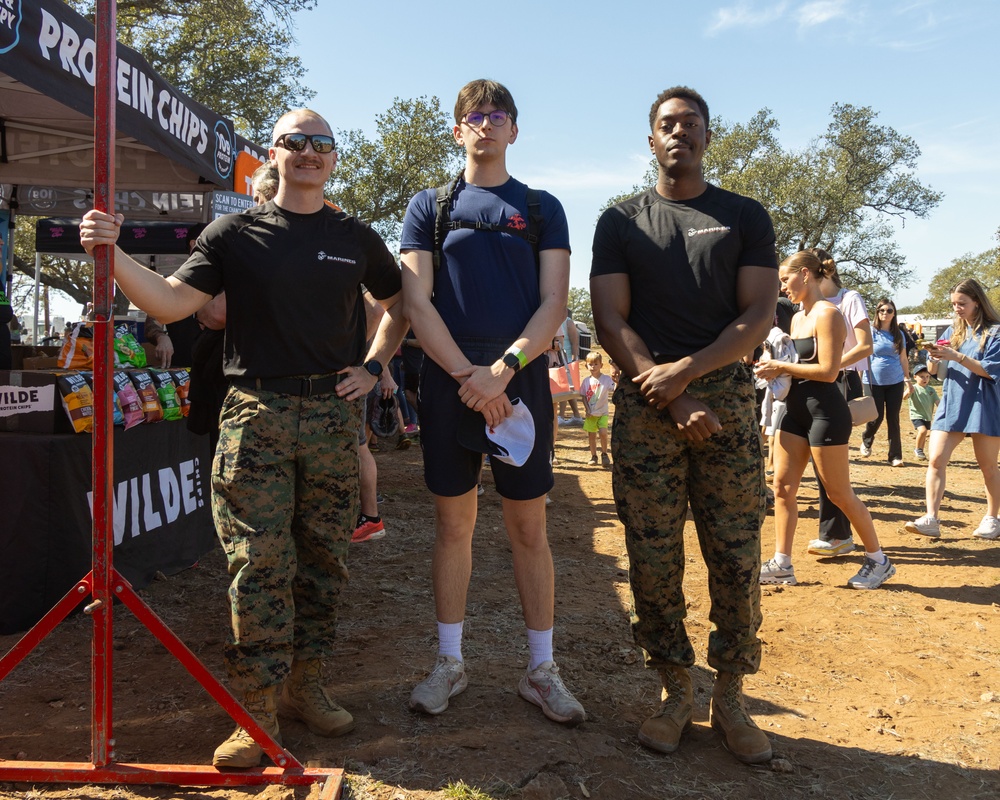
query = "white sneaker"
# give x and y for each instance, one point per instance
(925, 526)
(989, 528)
(772, 572)
(446, 680)
(865, 450)
(543, 687)
(832, 548)
(897, 462)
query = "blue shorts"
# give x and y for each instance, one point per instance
(451, 470)
(920, 423)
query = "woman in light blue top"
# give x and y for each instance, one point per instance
(970, 404)
(889, 379)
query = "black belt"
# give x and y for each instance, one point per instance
(300, 387)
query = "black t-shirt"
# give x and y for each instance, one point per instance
(682, 259)
(293, 288)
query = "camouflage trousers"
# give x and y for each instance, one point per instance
(285, 503)
(656, 475)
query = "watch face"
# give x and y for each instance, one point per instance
(374, 367)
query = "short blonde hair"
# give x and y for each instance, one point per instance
(593, 356)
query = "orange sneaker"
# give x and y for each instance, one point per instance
(368, 528)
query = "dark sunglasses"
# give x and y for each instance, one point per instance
(475, 119)
(296, 142)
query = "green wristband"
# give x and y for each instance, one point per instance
(519, 354)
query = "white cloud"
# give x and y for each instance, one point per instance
(820, 11)
(742, 15)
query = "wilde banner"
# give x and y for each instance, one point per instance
(162, 514)
(51, 49)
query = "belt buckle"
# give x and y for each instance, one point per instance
(306, 390)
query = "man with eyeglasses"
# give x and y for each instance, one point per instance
(483, 315)
(683, 283)
(285, 474)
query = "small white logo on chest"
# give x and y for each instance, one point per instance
(322, 256)
(703, 231)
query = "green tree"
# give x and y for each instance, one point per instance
(579, 307)
(840, 192)
(233, 56)
(984, 267)
(413, 149)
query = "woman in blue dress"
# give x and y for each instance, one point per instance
(970, 404)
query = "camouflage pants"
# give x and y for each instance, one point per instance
(656, 476)
(285, 503)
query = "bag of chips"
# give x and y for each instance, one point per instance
(128, 398)
(116, 409)
(167, 393)
(128, 351)
(78, 400)
(182, 380)
(78, 347)
(148, 397)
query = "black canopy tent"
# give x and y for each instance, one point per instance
(171, 152)
(166, 142)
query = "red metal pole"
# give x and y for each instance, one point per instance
(102, 741)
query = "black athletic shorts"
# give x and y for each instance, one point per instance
(451, 470)
(818, 412)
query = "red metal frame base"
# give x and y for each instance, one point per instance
(171, 774)
(288, 771)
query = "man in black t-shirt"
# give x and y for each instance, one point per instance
(285, 475)
(682, 285)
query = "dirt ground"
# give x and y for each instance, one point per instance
(892, 693)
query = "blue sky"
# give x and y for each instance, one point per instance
(584, 74)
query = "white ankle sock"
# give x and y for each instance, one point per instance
(450, 639)
(539, 646)
(878, 556)
(783, 561)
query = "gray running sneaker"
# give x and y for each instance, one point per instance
(447, 679)
(925, 526)
(872, 575)
(543, 687)
(772, 572)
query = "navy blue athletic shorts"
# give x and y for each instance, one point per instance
(451, 470)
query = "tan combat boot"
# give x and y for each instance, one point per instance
(663, 730)
(240, 750)
(305, 698)
(729, 717)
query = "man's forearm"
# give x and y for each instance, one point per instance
(389, 334)
(737, 339)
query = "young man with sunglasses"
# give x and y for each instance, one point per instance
(683, 283)
(285, 475)
(484, 315)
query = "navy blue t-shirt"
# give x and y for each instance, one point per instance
(487, 285)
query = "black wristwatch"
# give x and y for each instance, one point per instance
(512, 361)
(374, 367)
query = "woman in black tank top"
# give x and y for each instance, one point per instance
(817, 423)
